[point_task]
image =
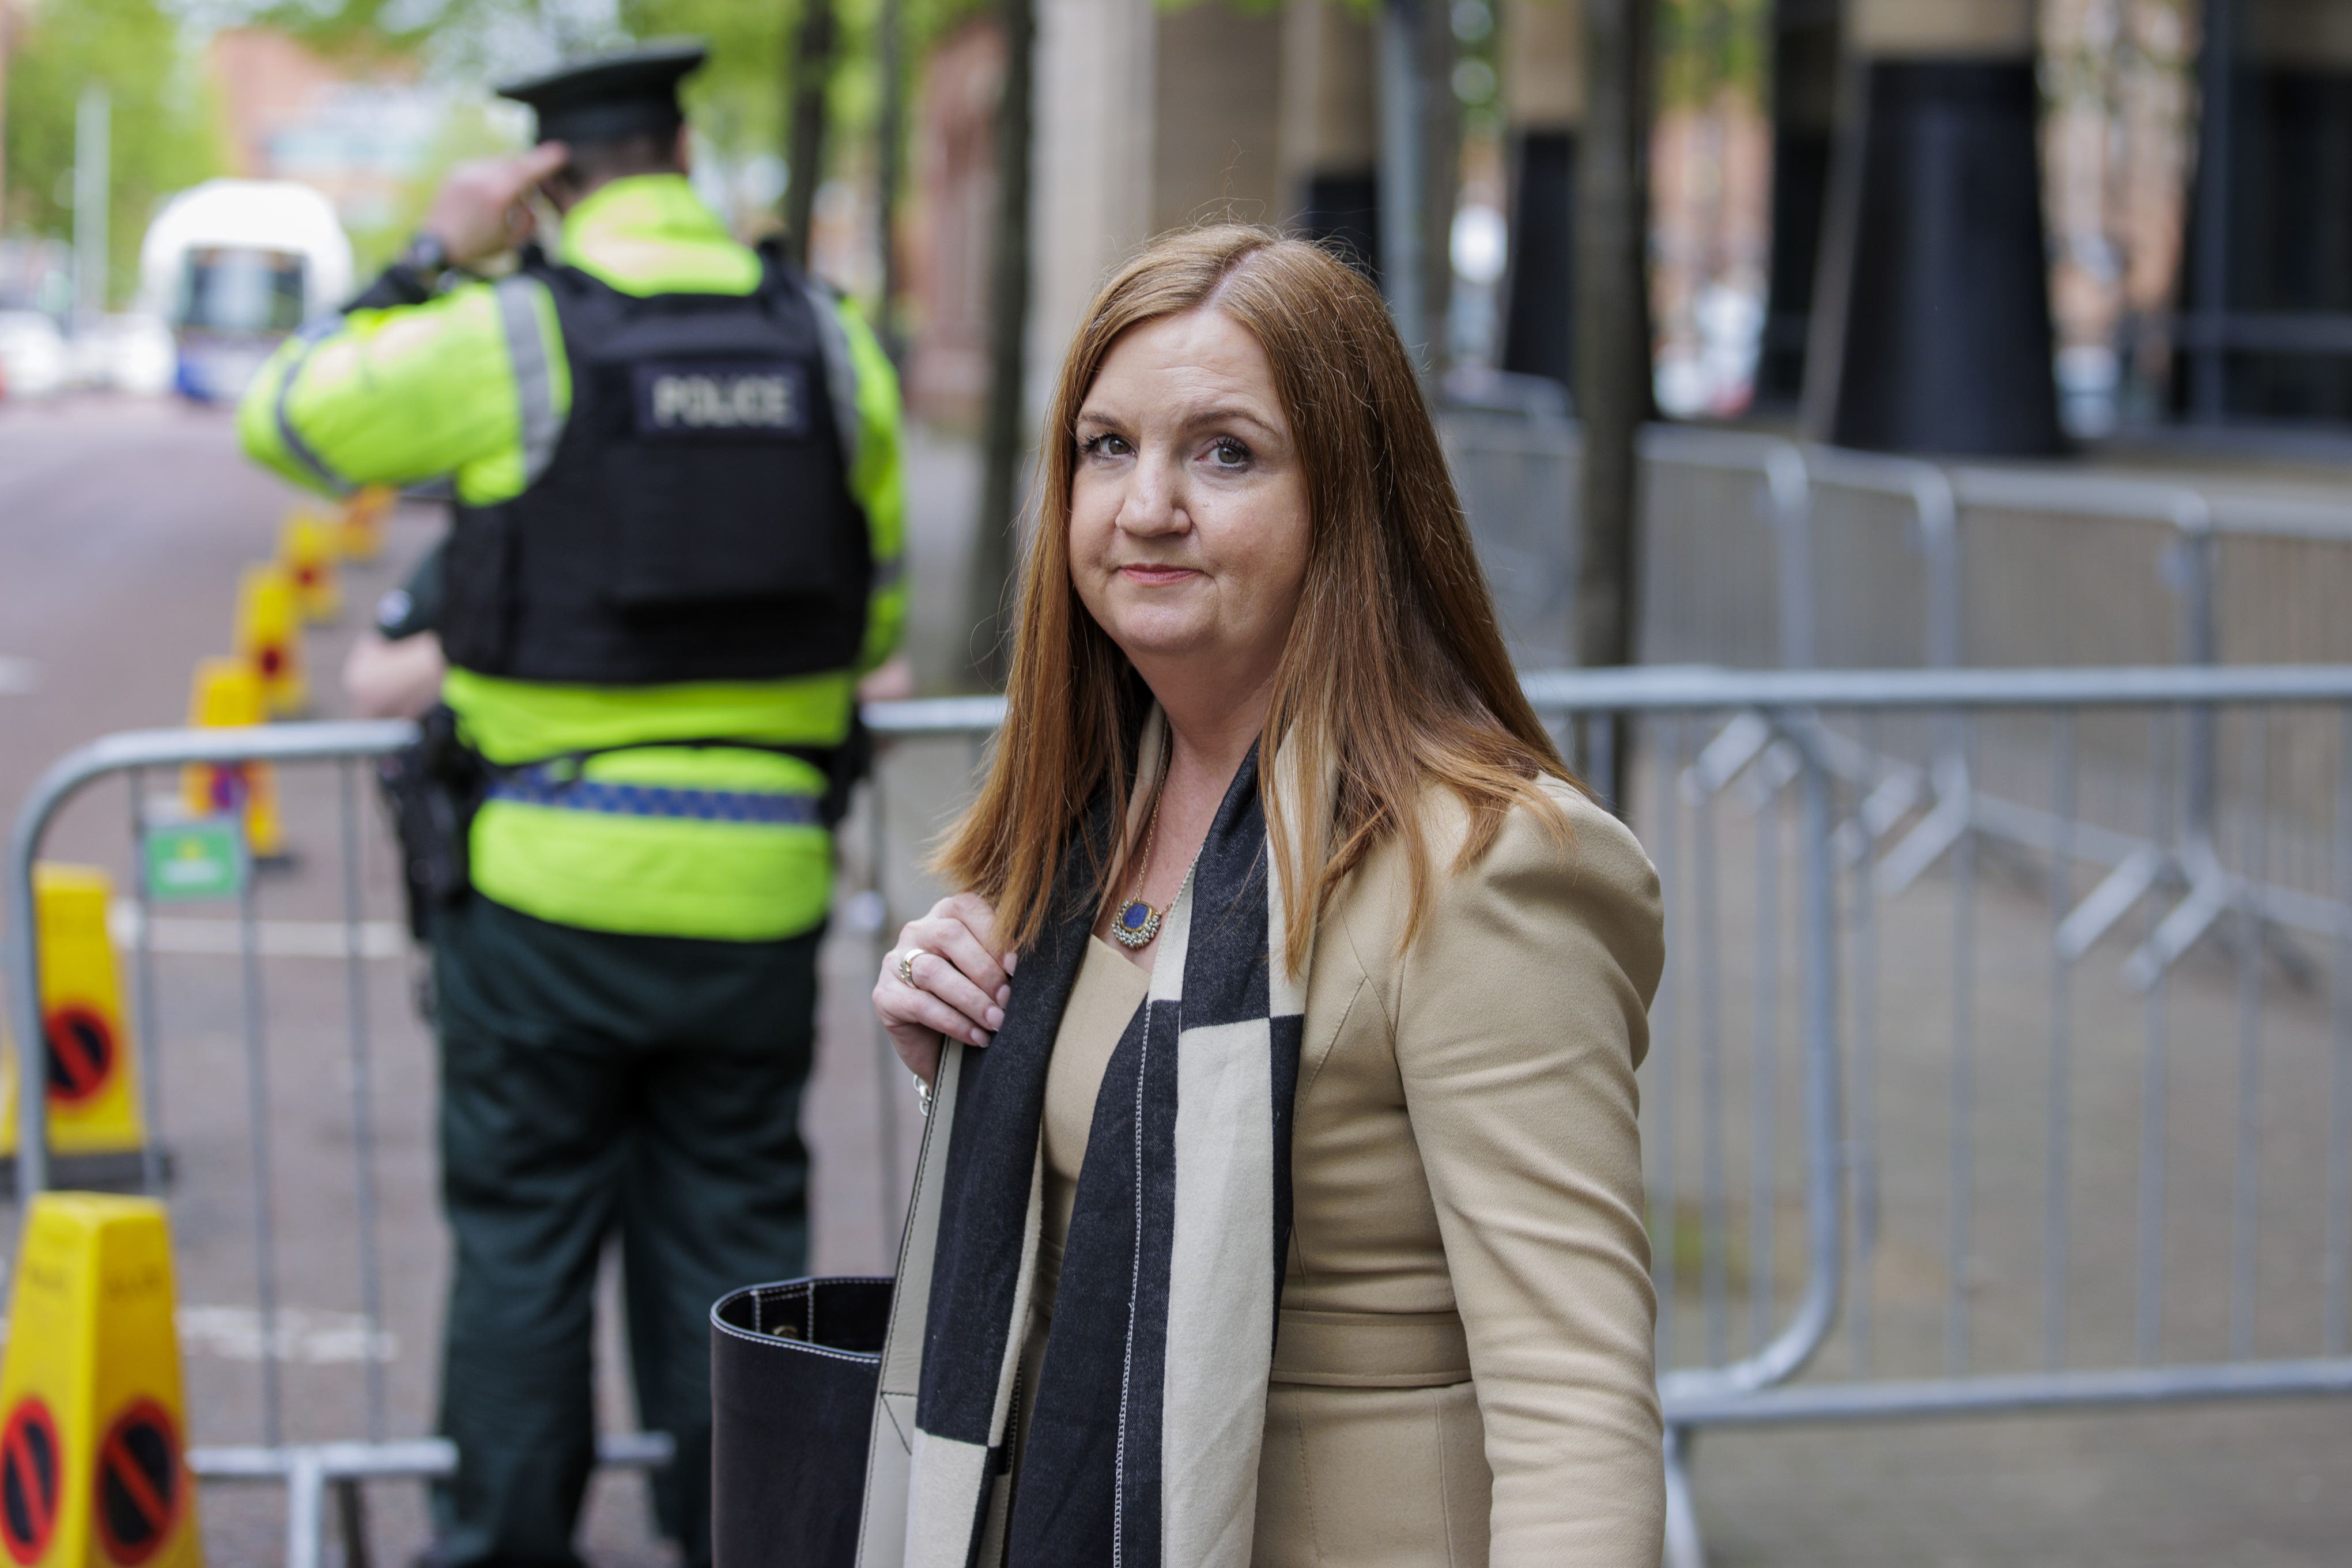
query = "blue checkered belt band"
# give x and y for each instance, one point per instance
(542, 786)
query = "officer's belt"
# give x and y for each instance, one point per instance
(543, 785)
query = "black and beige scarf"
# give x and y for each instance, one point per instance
(1143, 1432)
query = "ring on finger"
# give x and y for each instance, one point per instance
(906, 965)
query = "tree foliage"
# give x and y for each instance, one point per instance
(360, 30)
(161, 137)
(1707, 48)
(737, 101)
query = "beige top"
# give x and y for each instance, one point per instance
(1462, 1373)
(1102, 1003)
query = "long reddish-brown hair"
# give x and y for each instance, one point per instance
(1394, 675)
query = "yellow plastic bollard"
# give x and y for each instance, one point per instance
(359, 533)
(92, 1072)
(306, 553)
(227, 694)
(93, 1449)
(269, 638)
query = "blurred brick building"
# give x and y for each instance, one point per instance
(357, 135)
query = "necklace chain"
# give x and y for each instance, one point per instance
(1151, 834)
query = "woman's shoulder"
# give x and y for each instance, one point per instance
(1574, 860)
(1596, 851)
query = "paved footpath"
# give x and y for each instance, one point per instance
(122, 527)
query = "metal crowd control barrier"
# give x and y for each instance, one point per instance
(1517, 469)
(309, 1471)
(1905, 1160)
(1886, 562)
(2006, 1187)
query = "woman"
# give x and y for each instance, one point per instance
(1290, 1208)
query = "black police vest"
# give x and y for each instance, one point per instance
(694, 522)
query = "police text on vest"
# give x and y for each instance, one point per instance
(747, 402)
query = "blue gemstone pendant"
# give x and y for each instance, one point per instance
(1137, 924)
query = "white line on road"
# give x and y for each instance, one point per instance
(274, 938)
(301, 1334)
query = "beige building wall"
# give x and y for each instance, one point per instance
(1147, 119)
(1330, 103)
(1945, 29)
(1216, 143)
(1543, 56)
(2315, 35)
(1092, 162)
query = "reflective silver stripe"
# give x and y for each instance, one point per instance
(840, 374)
(534, 383)
(296, 448)
(848, 423)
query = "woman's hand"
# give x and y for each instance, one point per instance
(961, 982)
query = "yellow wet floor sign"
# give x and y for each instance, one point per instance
(360, 532)
(306, 554)
(92, 1071)
(269, 637)
(228, 694)
(93, 1449)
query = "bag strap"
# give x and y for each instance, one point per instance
(882, 1526)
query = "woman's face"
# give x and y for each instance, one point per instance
(1188, 513)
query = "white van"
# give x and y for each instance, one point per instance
(234, 265)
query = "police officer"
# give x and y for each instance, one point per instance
(394, 668)
(675, 548)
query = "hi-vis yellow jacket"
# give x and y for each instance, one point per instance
(414, 394)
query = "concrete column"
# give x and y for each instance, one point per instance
(1806, 47)
(1421, 146)
(1216, 112)
(1932, 330)
(2275, 235)
(1329, 129)
(1543, 56)
(1093, 163)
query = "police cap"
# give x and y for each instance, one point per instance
(610, 95)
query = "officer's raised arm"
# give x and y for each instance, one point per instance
(413, 379)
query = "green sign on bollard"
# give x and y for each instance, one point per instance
(191, 861)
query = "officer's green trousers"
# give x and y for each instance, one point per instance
(595, 1085)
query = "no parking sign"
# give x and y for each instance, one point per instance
(29, 1480)
(140, 1483)
(93, 1466)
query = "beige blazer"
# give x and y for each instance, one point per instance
(1464, 1373)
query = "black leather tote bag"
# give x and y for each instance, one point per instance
(793, 1369)
(796, 1370)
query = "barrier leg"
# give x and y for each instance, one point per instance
(350, 1515)
(1685, 1549)
(306, 1500)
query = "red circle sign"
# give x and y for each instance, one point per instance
(141, 1483)
(226, 786)
(81, 1053)
(29, 1480)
